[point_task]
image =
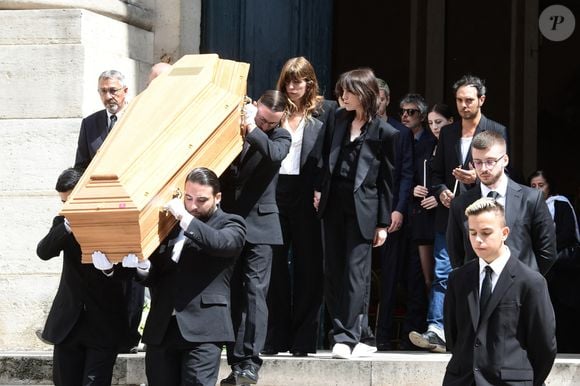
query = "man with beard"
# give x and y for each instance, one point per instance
(95, 128)
(532, 238)
(189, 277)
(452, 176)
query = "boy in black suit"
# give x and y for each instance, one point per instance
(499, 321)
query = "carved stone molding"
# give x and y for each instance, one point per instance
(130, 12)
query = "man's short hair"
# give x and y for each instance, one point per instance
(113, 74)
(274, 100)
(68, 179)
(417, 100)
(486, 204)
(204, 176)
(470, 80)
(384, 86)
(486, 139)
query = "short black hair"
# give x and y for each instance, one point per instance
(274, 100)
(68, 179)
(473, 81)
(204, 176)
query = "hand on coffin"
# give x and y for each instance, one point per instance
(67, 225)
(177, 209)
(101, 262)
(132, 261)
(250, 111)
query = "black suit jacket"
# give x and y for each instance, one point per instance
(93, 132)
(198, 286)
(249, 184)
(532, 235)
(373, 185)
(403, 179)
(513, 342)
(448, 157)
(84, 289)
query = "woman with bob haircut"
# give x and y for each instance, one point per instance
(355, 205)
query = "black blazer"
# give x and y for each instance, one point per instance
(403, 179)
(249, 184)
(513, 342)
(93, 132)
(198, 286)
(373, 185)
(532, 235)
(448, 157)
(83, 288)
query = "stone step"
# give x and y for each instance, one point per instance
(392, 368)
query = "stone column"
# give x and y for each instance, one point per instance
(51, 53)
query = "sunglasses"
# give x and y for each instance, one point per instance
(409, 112)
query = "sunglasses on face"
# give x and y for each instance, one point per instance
(409, 112)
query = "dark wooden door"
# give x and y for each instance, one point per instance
(266, 33)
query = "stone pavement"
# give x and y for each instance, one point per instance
(381, 369)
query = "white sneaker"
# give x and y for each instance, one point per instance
(362, 350)
(340, 351)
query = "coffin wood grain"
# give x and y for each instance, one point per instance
(186, 118)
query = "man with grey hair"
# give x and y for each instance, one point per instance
(94, 129)
(112, 89)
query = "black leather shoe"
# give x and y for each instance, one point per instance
(429, 340)
(269, 351)
(299, 354)
(248, 375)
(230, 379)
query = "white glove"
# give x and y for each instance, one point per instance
(101, 262)
(132, 261)
(250, 112)
(67, 225)
(177, 209)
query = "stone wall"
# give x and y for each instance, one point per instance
(49, 63)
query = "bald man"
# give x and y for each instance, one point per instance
(158, 69)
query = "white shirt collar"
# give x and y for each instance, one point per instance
(497, 267)
(501, 187)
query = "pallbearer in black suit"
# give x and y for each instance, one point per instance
(189, 278)
(499, 322)
(249, 190)
(295, 293)
(355, 205)
(88, 319)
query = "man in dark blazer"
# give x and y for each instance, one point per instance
(452, 176)
(94, 129)
(189, 279)
(499, 321)
(88, 319)
(532, 236)
(249, 190)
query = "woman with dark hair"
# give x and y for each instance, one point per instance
(422, 213)
(355, 204)
(295, 293)
(563, 277)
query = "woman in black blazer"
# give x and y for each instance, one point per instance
(295, 293)
(355, 205)
(563, 282)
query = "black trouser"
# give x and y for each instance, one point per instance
(347, 264)
(249, 288)
(80, 360)
(177, 362)
(295, 293)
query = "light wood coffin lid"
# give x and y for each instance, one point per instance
(187, 117)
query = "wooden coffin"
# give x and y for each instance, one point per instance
(187, 117)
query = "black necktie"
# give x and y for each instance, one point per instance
(113, 121)
(485, 289)
(493, 194)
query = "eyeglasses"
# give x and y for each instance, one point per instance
(110, 90)
(489, 163)
(410, 112)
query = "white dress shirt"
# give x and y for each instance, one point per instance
(291, 164)
(496, 266)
